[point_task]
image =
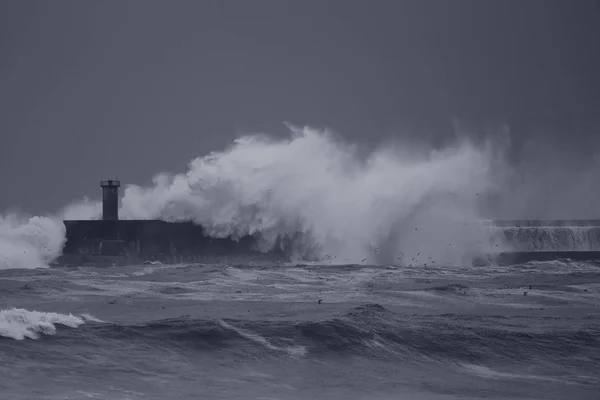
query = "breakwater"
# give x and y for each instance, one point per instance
(133, 241)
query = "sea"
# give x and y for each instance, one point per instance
(278, 330)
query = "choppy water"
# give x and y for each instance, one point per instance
(301, 332)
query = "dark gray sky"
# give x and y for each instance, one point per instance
(92, 89)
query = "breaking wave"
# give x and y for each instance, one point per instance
(377, 207)
(368, 330)
(19, 324)
(30, 242)
(313, 188)
(577, 238)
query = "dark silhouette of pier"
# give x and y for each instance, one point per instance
(132, 241)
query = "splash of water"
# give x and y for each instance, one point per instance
(19, 324)
(82, 210)
(396, 204)
(30, 242)
(575, 238)
(35, 242)
(393, 203)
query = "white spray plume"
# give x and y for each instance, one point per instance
(393, 204)
(19, 324)
(34, 242)
(82, 210)
(30, 242)
(397, 203)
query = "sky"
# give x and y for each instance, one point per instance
(91, 90)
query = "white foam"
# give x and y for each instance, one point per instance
(346, 206)
(91, 318)
(489, 373)
(35, 242)
(145, 271)
(30, 242)
(291, 350)
(18, 323)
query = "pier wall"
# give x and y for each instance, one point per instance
(149, 239)
(133, 241)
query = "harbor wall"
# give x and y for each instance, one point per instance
(138, 240)
(134, 241)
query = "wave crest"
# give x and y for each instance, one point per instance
(378, 207)
(30, 243)
(321, 193)
(371, 330)
(18, 323)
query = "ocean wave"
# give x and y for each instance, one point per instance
(29, 242)
(18, 323)
(374, 331)
(403, 199)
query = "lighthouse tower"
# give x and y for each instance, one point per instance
(110, 200)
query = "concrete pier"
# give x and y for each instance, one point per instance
(111, 240)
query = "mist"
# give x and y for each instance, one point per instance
(30, 242)
(401, 202)
(549, 181)
(382, 206)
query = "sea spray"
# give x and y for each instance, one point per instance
(34, 242)
(397, 205)
(384, 207)
(82, 210)
(552, 238)
(19, 324)
(30, 242)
